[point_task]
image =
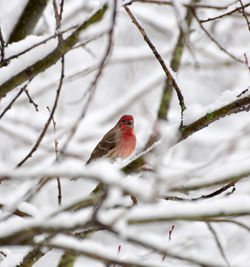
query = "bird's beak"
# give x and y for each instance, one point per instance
(130, 123)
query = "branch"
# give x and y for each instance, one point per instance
(136, 164)
(237, 106)
(67, 260)
(200, 218)
(217, 241)
(6, 60)
(229, 180)
(225, 14)
(108, 260)
(2, 50)
(31, 101)
(159, 58)
(213, 194)
(244, 14)
(214, 40)
(28, 20)
(175, 64)
(92, 87)
(9, 106)
(39, 140)
(33, 256)
(170, 3)
(53, 57)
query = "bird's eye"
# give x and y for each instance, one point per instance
(123, 121)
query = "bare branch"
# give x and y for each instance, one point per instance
(211, 195)
(229, 180)
(39, 140)
(2, 43)
(53, 57)
(5, 61)
(247, 62)
(161, 61)
(14, 99)
(28, 20)
(244, 14)
(199, 218)
(31, 100)
(217, 241)
(169, 3)
(225, 14)
(239, 105)
(214, 40)
(91, 89)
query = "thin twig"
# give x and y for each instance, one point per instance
(169, 3)
(244, 14)
(214, 40)
(90, 40)
(14, 99)
(209, 217)
(91, 89)
(126, 263)
(6, 60)
(161, 61)
(39, 140)
(58, 17)
(213, 194)
(2, 43)
(225, 14)
(217, 241)
(59, 187)
(31, 100)
(247, 62)
(61, 9)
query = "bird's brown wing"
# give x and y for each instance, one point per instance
(107, 143)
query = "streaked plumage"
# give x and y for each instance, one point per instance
(119, 142)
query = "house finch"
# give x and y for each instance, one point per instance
(119, 142)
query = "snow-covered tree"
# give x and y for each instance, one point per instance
(68, 70)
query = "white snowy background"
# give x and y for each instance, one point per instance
(131, 83)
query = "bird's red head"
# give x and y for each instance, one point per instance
(126, 122)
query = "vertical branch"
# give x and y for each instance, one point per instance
(2, 42)
(40, 138)
(61, 9)
(67, 260)
(174, 64)
(247, 62)
(217, 241)
(91, 89)
(244, 15)
(161, 61)
(28, 20)
(56, 151)
(58, 17)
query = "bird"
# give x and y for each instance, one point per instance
(119, 142)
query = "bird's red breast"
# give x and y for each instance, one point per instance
(119, 142)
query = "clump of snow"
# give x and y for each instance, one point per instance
(196, 111)
(22, 62)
